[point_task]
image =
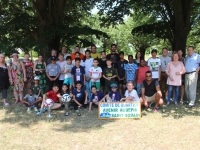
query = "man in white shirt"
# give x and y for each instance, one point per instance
(154, 65)
(164, 59)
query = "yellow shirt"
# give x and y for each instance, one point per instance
(95, 55)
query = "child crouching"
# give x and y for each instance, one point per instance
(50, 100)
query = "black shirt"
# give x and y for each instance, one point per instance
(114, 57)
(150, 89)
(102, 64)
(120, 68)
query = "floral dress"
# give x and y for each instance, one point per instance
(42, 76)
(17, 76)
(29, 70)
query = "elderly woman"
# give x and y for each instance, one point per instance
(174, 70)
(28, 64)
(18, 74)
(39, 68)
(4, 78)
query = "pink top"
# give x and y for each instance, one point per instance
(171, 71)
(142, 74)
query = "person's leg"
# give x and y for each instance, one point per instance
(120, 88)
(139, 89)
(157, 99)
(56, 106)
(193, 87)
(4, 97)
(187, 86)
(88, 86)
(176, 95)
(182, 92)
(39, 100)
(170, 90)
(21, 96)
(16, 96)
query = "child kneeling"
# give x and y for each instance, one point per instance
(50, 100)
(96, 97)
(32, 100)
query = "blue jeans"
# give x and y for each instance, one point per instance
(170, 91)
(139, 88)
(88, 88)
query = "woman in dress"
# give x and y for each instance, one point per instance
(39, 68)
(138, 56)
(4, 78)
(28, 64)
(18, 74)
(175, 69)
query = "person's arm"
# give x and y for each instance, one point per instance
(159, 72)
(34, 68)
(9, 75)
(49, 76)
(45, 66)
(84, 79)
(74, 98)
(63, 70)
(38, 95)
(58, 74)
(24, 71)
(183, 70)
(168, 72)
(143, 93)
(73, 80)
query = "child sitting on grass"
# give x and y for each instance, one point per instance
(30, 100)
(130, 94)
(79, 97)
(65, 92)
(96, 97)
(53, 95)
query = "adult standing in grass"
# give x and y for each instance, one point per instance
(53, 54)
(4, 78)
(94, 53)
(164, 59)
(39, 68)
(174, 70)
(73, 55)
(28, 64)
(64, 52)
(191, 75)
(138, 57)
(18, 74)
(182, 59)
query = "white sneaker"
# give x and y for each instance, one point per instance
(29, 109)
(35, 109)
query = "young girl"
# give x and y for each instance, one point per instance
(65, 91)
(88, 63)
(130, 94)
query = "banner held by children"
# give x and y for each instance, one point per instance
(118, 110)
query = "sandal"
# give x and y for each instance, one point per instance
(16, 101)
(6, 104)
(21, 101)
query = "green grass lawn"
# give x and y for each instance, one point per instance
(171, 129)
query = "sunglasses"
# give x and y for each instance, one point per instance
(148, 76)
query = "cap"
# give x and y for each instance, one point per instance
(113, 85)
(37, 78)
(53, 58)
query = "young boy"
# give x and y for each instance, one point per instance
(31, 100)
(67, 68)
(64, 92)
(79, 97)
(121, 72)
(130, 94)
(53, 71)
(78, 73)
(96, 97)
(113, 95)
(130, 70)
(141, 75)
(95, 73)
(53, 95)
(109, 75)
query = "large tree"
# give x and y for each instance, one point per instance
(44, 24)
(174, 17)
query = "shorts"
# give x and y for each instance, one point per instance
(97, 84)
(150, 98)
(121, 82)
(68, 81)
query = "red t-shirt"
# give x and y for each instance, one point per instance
(142, 73)
(52, 95)
(73, 56)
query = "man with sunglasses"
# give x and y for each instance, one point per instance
(164, 59)
(151, 92)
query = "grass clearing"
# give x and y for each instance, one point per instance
(173, 128)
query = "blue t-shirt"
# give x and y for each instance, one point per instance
(78, 73)
(79, 95)
(130, 71)
(115, 96)
(98, 96)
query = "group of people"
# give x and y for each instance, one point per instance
(97, 77)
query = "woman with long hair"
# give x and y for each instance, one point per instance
(18, 74)
(4, 78)
(138, 57)
(39, 68)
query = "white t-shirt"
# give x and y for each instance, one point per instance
(61, 64)
(68, 67)
(133, 93)
(95, 72)
(154, 65)
(81, 63)
(88, 64)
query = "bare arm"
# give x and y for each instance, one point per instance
(143, 93)
(24, 71)
(158, 90)
(76, 101)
